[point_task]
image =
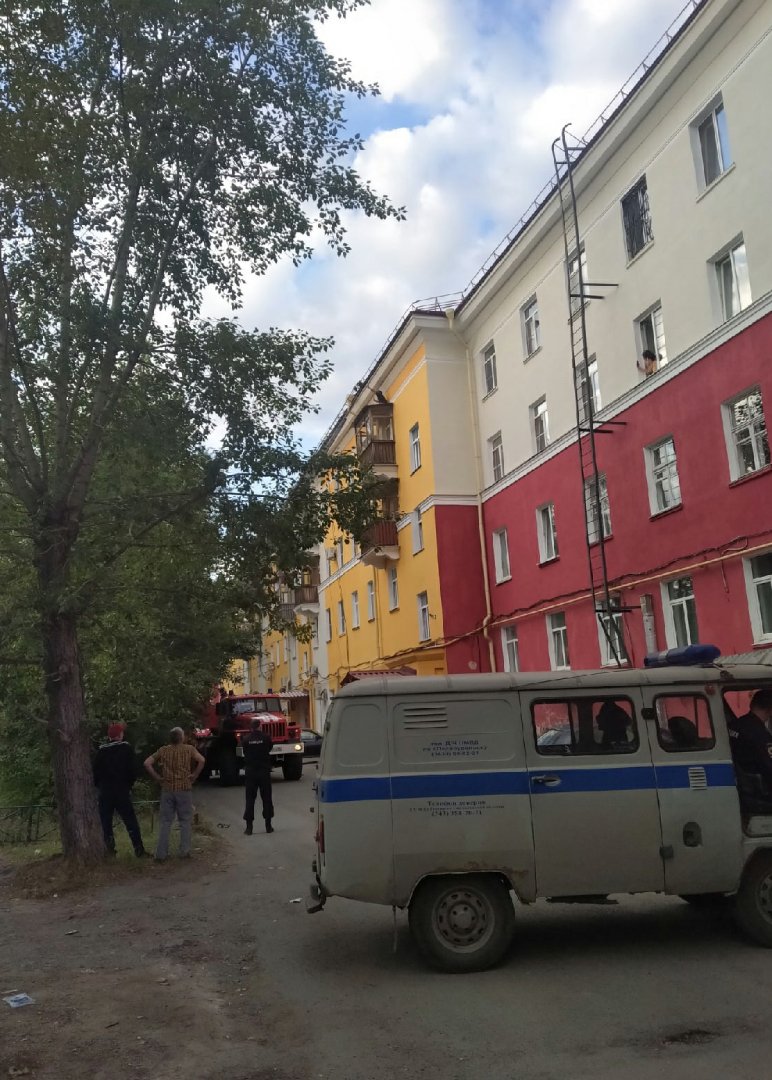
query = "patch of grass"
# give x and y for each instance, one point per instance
(40, 870)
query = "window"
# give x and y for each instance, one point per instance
(529, 314)
(501, 555)
(355, 610)
(490, 378)
(415, 448)
(589, 388)
(328, 624)
(540, 424)
(684, 723)
(680, 613)
(651, 332)
(423, 616)
(636, 216)
(509, 648)
(546, 532)
(497, 456)
(341, 618)
(611, 634)
(746, 433)
(662, 475)
(596, 502)
(339, 552)
(418, 532)
(734, 284)
(584, 726)
(314, 633)
(370, 601)
(758, 576)
(577, 262)
(305, 663)
(713, 136)
(294, 647)
(393, 589)
(558, 641)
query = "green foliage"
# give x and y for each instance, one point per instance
(152, 151)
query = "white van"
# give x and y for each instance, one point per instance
(446, 795)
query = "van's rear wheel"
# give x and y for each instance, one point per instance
(753, 903)
(462, 922)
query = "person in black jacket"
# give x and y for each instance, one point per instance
(750, 740)
(115, 771)
(257, 774)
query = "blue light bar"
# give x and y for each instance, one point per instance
(686, 656)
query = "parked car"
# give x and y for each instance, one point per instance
(312, 742)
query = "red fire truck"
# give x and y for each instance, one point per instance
(226, 722)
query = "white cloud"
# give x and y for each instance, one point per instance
(495, 88)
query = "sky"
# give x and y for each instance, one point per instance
(472, 93)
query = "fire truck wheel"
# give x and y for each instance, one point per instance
(753, 903)
(292, 769)
(462, 922)
(228, 768)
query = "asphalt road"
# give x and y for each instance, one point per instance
(644, 989)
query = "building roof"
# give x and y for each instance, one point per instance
(376, 673)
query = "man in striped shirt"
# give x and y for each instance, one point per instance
(176, 767)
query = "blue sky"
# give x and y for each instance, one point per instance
(472, 94)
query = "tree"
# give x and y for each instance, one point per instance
(150, 152)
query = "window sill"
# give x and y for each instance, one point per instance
(548, 562)
(489, 394)
(657, 514)
(750, 476)
(503, 580)
(393, 609)
(531, 355)
(415, 470)
(763, 644)
(639, 254)
(716, 182)
(610, 536)
(614, 664)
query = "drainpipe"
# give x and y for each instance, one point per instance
(451, 317)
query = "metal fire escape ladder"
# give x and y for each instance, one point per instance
(580, 293)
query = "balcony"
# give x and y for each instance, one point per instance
(374, 430)
(380, 543)
(306, 599)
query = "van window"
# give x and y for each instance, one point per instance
(361, 736)
(684, 723)
(585, 726)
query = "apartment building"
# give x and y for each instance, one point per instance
(676, 245)
(479, 559)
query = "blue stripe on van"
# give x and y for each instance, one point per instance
(516, 782)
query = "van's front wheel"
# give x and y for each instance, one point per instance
(462, 922)
(753, 903)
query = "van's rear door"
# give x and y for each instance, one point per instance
(594, 802)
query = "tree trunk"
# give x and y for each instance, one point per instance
(70, 750)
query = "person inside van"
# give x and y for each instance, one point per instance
(613, 723)
(751, 742)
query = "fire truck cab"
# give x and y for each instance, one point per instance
(219, 738)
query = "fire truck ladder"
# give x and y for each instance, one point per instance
(565, 155)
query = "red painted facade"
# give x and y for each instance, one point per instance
(462, 588)
(706, 537)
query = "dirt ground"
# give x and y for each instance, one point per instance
(146, 973)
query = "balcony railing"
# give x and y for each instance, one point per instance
(287, 612)
(380, 534)
(378, 452)
(306, 595)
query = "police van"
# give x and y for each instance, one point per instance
(452, 796)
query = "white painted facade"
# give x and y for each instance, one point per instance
(725, 56)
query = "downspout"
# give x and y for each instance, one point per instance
(451, 317)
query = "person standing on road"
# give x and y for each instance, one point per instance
(180, 765)
(115, 771)
(257, 774)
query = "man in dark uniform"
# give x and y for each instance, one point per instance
(115, 771)
(750, 738)
(257, 774)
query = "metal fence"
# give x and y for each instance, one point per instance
(31, 824)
